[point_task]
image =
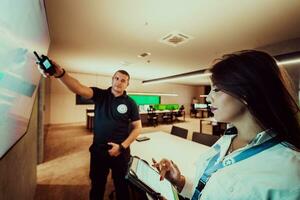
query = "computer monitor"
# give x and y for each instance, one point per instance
(200, 105)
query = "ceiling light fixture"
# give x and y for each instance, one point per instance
(288, 62)
(288, 58)
(282, 59)
(150, 94)
(198, 73)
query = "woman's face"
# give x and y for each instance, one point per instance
(225, 107)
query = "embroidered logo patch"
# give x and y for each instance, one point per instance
(228, 162)
(122, 108)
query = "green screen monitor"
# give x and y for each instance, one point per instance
(146, 99)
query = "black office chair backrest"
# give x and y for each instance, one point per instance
(179, 113)
(151, 113)
(205, 139)
(180, 132)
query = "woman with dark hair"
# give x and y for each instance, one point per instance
(260, 161)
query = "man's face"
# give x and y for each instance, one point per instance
(119, 82)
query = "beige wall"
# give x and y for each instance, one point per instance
(200, 90)
(18, 166)
(60, 102)
(47, 104)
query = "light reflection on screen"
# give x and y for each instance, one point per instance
(23, 29)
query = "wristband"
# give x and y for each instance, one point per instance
(122, 148)
(62, 74)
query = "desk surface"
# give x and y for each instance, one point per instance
(202, 109)
(181, 151)
(159, 111)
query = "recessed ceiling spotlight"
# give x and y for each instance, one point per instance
(143, 55)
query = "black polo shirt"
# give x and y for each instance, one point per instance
(113, 116)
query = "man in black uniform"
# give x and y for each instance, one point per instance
(117, 124)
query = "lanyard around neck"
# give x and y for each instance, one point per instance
(213, 166)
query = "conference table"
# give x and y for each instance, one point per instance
(184, 153)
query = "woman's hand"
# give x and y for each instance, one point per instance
(169, 170)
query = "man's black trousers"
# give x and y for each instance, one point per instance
(100, 164)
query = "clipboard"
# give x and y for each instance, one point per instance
(137, 174)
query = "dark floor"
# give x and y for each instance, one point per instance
(64, 174)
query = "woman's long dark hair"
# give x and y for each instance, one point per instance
(254, 77)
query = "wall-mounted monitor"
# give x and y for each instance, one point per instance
(145, 99)
(23, 29)
(200, 105)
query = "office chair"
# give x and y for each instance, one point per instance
(193, 111)
(205, 139)
(180, 132)
(167, 117)
(152, 118)
(179, 113)
(90, 119)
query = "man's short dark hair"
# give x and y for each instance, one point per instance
(123, 72)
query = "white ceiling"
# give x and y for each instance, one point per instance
(101, 36)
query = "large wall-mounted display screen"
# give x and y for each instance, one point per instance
(23, 29)
(145, 99)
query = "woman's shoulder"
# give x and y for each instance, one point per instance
(288, 153)
(285, 161)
